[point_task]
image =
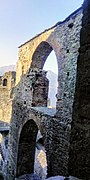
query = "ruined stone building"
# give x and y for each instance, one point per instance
(64, 131)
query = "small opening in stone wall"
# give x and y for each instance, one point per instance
(6, 143)
(67, 73)
(5, 82)
(67, 50)
(27, 75)
(64, 94)
(70, 25)
(24, 102)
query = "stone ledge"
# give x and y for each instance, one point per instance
(45, 110)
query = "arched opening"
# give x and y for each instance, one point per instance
(40, 55)
(52, 74)
(28, 160)
(44, 59)
(26, 148)
(5, 82)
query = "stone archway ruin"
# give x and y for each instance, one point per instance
(41, 88)
(26, 148)
(27, 151)
(64, 39)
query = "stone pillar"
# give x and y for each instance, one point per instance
(79, 163)
(40, 89)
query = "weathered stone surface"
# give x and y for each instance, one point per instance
(79, 165)
(40, 164)
(65, 41)
(4, 136)
(7, 82)
(28, 177)
(31, 89)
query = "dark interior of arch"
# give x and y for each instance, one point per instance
(26, 148)
(40, 55)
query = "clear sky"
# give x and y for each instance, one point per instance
(20, 20)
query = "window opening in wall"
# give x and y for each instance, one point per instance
(67, 73)
(70, 25)
(5, 82)
(52, 74)
(67, 50)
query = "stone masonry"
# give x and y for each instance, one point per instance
(32, 90)
(79, 165)
(28, 96)
(7, 82)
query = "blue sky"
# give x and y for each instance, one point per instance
(20, 20)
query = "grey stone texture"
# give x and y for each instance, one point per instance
(79, 165)
(32, 90)
(28, 177)
(29, 113)
(65, 41)
(4, 136)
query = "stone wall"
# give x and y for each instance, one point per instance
(80, 135)
(64, 39)
(54, 142)
(7, 82)
(4, 136)
(31, 89)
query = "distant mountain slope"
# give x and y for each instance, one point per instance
(53, 83)
(4, 69)
(52, 77)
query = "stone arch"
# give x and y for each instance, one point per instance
(40, 55)
(33, 54)
(26, 148)
(5, 82)
(51, 66)
(41, 88)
